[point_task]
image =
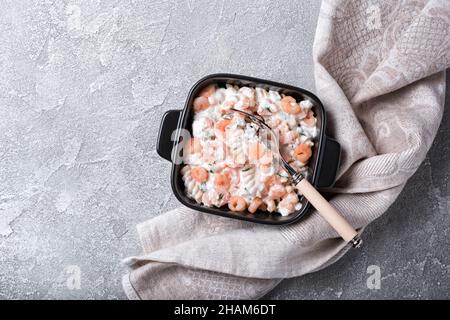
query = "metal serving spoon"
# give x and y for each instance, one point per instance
(328, 212)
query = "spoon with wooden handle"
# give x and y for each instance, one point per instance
(323, 207)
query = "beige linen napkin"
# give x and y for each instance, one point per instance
(379, 69)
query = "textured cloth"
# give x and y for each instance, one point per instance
(379, 71)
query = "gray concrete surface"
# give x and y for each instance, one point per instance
(83, 86)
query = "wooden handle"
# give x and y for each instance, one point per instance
(330, 214)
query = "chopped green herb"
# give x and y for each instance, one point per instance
(246, 169)
(220, 196)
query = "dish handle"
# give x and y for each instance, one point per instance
(169, 124)
(330, 163)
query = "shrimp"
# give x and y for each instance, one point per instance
(288, 137)
(309, 120)
(256, 203)
(243, 104)
(221, 126)
(263, 207)
(286, 152)
(246, 102)
(199, 174)
(208, 91)
(289, 105)
(258, 152)
(222, 182)
(237, 203)
(270, 204)
(266, 159)
(303, 152)
(238, 117)
(200, 104)
(271, 180)
(277, 191)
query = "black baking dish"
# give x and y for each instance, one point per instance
(324, 161)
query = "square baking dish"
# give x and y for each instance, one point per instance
(323, 163)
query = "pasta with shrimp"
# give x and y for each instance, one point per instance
(230, 162)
